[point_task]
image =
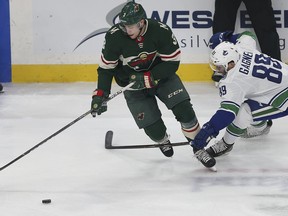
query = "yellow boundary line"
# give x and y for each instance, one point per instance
(88, 73)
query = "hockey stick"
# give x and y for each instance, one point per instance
(109, 137)
(64, 128)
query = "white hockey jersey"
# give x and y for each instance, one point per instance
(258, 77)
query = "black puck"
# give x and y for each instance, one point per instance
(46, 201)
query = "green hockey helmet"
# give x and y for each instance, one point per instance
(132, 13)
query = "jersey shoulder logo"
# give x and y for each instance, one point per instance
(113, 30)
(162, 25)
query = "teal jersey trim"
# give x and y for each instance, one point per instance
(229, 107)
(280, 99)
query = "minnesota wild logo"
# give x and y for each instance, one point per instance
(143, 61)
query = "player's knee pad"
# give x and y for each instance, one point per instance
(244, 117)
(156, 131)
(183, 111)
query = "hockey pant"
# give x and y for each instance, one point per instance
(251, 113)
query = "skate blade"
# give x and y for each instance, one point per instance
(212, 168)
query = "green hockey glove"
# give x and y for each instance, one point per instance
(143, 80)
(98, 104)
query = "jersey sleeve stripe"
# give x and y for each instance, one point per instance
(175, 56)
(107, 64)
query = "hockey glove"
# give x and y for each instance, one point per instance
(217, 76)
(206, 133)
(219, 38)
(98, 104)
(143, 80)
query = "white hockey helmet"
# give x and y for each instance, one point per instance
(222, 55)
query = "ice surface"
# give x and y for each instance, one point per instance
(84, 179)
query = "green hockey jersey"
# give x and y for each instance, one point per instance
(155, 50)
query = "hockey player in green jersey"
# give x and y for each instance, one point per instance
(254, 88)
(146, 52)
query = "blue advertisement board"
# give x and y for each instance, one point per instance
(5, 43)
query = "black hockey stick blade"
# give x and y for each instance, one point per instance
(109, 137)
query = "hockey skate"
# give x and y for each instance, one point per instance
(254, 131)
(167, 149)
(207, 160)
(219, 148)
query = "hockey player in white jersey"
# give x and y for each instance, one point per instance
(246, 40)
(251, 77)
